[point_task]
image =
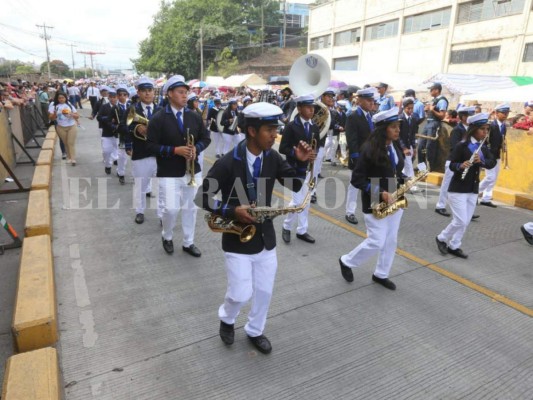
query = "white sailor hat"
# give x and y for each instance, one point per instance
(367, 93)
(528, 103)
(173, 82)
(464, 109)
(246, 98)
(123, 88)
(386, 117)
(503, 108)
(269, 113)
(232, 100)
(408, 100)
(306, 99)
(330, 91)
(104, 88)
(192, 96)
(145, 83)
(478, 119)
(343, 103)
(217, 100)
(111, 91)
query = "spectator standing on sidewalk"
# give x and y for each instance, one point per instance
(67, 117)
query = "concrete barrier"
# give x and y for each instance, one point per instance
(42, 177)
(48, 144)
(32, 376)
(45, 157)
(38, 216)
(35, 315)
(524, 201)
(51, 135)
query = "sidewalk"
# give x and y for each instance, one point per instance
(137, 323)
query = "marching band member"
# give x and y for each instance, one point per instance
(120, 111)
(106, 117)
(457, 135)
(343, 107)
(213, 128)
(380, 161)
(93, 94)
(498, 130)
(462, 193)
(301, 129)
(144, 164)
(436, 113)
(359, 124)
(527, 231)
(408, 130)
(167, 140)
(229, 115)
(253, 166)
(328, 99)
(332, 137)
(193, 104)
(239, 134)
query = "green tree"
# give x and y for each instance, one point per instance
(56, 67)
(24, 69)
(225, 64)
(9, 67)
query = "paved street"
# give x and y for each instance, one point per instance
(136, 323)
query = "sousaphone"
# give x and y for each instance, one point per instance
(310, 74)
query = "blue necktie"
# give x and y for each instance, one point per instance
(370, 123)
(180, 122)
(149, 112)
(257, 169)
(392, 159)
(306, 126)
(123, 107)
(503, 130)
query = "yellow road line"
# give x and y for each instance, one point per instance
(441, 271)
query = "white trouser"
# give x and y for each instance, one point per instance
(382, 239)
(443, 195)
(301, 217)
(408, 169)
(122, 162)
(351, 199)
(343, 145)
(250, 276)
(228, 142)
(330, 148)
(218, 141)
(318, 162)
(109, 147)
(115, 153)
(487, 184)
(201, 163)
(238, 137)
(463, 206)
(180, 196)
(528, 226)
(143, 171)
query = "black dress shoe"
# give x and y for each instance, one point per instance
(121, 179)
(320, 176)
(351, 219)
(108, 171)
(168, 246)
(475, 217)
(527, 235)
(148, 194)
(192, 250)
(488, 204)
(139, 218)
(286, 235)
(227, 333)
(115, 162)
(261, 343)
(458, 253)
(385, 282)
(313, 198)
(442, 211)
(306, 237)
(346, 271)
(443, 247)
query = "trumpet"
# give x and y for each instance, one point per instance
(134, 117)
(420, 136)
(190, 163)
(311, 165)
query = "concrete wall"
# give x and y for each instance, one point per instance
(6, 146)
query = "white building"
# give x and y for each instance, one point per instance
(424, 37)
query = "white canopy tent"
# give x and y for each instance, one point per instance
(243, 80)
(214, 81)
(396, 81)
(517, 94)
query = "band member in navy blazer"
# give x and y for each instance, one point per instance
(246, 176)
(106, 120)
(167, 141)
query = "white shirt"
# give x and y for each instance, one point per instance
(250, 158)
(151, 109)
(175, 111)
(394, 154)
(93, 91)
(73, 91)
(63, 119)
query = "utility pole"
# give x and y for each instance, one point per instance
(91, 54)
(85, 65)
(262, 28)
(46, 37)
(284, 23)
(201, 53)
(72, 52)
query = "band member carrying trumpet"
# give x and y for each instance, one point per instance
(466, 161)
(246, 176)
(167, 141)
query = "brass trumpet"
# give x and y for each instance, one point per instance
(190, 163)
(134, 117)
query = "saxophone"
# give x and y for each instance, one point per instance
(384, 209)
(246, 232)
(190, 163)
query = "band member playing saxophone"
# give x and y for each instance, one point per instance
(246, 176)
(379, 165)
(466, 161)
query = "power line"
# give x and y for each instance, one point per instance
(46, 37)
(5, 41)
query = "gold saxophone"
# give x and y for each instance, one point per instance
(246, 232)
(190, 163)
(385, 209)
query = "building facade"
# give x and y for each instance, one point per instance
(424, 37)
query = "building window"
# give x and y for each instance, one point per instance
(321, 42)
(528, 53)
(427, 21)
(480, 10)
(479, 55)
(347, 37)
(346, 63)
(294, 21)
(383, 30)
